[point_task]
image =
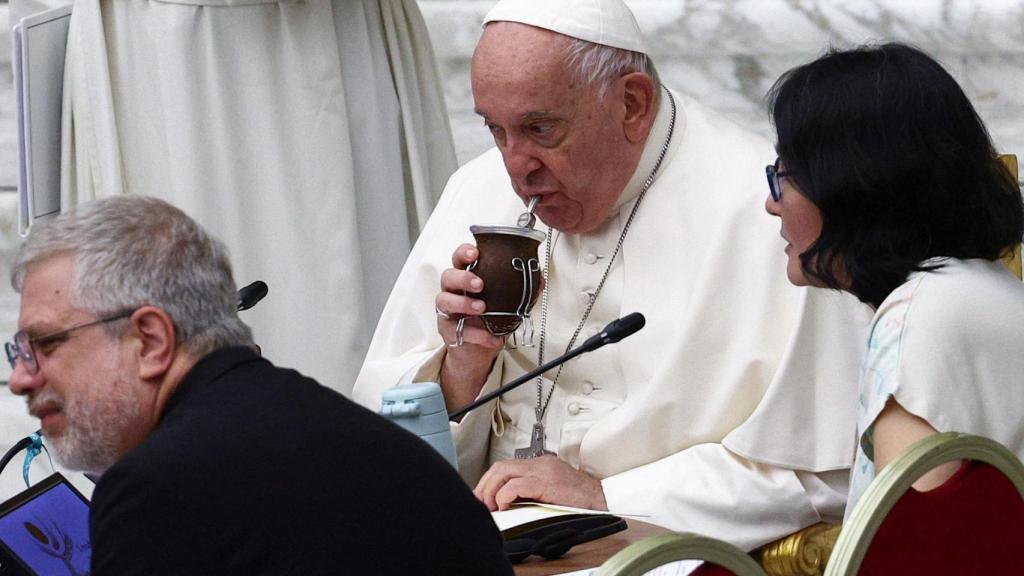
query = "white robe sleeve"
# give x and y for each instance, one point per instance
(709, 490)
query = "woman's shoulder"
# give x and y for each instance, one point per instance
(961, 351)
(972, 295)
(945, 319)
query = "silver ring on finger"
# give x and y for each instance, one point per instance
(441, 314)
(458, 333)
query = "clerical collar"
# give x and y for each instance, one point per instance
(652, 148)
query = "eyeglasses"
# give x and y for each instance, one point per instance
(774, 175)
(21, 347)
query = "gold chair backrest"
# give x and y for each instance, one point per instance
(1012, 259)
(897, 477)
(640, 557)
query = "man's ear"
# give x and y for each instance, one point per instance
(639, 97)
(156, 344)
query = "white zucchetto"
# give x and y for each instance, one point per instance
(606, 22)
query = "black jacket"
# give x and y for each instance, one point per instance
(255, 469)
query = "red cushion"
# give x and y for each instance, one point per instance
(709, 569)
(972, 524)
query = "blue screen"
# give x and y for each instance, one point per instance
(50, 533)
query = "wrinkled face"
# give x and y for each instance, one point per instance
(558, 139)
(86, 402)
(801, 226)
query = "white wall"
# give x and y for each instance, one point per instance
(728, 53)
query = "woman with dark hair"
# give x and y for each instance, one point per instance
(888, 187)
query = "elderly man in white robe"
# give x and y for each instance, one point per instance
(730, 413)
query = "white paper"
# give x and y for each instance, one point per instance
(518, 515)
(523, 512)
(680, 568)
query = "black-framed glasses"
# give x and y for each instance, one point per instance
(774, 175)
(21, 346)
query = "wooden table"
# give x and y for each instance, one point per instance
(589, 554)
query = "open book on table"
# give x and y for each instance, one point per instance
(525, 516)
(551, 531)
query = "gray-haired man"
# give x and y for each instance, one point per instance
(213, 461)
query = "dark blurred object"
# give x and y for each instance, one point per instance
(553, 539)
(249, 295)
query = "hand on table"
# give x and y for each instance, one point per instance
(544, 479)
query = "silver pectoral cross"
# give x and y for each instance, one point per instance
(536, 447)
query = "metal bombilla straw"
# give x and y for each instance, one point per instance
(526, 220)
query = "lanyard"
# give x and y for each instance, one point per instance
(31, 451)
(32, 445)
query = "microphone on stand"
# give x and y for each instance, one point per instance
(613, 332)
(249, 295)
(419, 406)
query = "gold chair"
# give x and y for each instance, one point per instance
(1012, 259)
(803, 553)
(640, 557)
(998, 526)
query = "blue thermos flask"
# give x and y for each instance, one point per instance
(419, 408)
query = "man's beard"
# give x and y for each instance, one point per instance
(95, 423)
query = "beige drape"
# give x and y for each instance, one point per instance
(310, 136)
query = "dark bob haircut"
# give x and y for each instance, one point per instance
(888, 147)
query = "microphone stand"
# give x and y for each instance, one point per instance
(249, 295)
(613, 332)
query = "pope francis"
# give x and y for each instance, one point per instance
(732, 413)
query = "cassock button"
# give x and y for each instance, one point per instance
(574, 408)
(590, 258)
(588, 388)
(584, 298)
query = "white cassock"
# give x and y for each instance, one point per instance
(732, 413)
(310, 136)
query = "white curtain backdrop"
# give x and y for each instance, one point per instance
(310, 136)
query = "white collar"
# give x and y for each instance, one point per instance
(652, 148)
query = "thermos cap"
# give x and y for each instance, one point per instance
(427, 394)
